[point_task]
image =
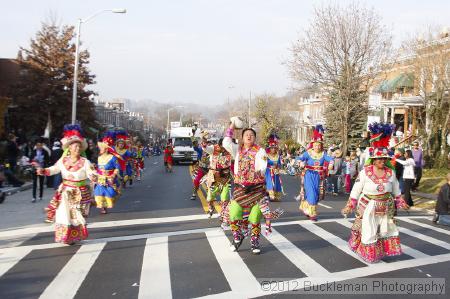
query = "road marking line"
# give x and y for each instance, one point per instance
(333, 239)
(325, 206)
(438, 229)
(202, 196)
(296, 256)
(157, 220)
(235, 270)
(70, 278)
(11, 257)
(406, 249)
(425, 238)
(104, 224)
(155, 273)
(111, 239)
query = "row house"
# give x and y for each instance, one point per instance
(311, 113)
(398, 95)
(114, 114)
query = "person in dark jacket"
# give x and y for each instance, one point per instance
(442, 208)
(12, 152)
(57, 152)
(399, 155)
(39, 159)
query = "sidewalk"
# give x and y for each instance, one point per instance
(13, 190)
(17, 211)
(425, 201)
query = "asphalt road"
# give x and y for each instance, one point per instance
(157, 243)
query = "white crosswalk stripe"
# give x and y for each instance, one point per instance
(70, 278)
(156, 279)
(300, 259)
(156, 260)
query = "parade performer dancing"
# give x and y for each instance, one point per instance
(168, 159)
(249, 189)
(139, 160)
(219, 179)
(375, 197)
(108, 168)
(71, 202)
(273, 179)
(313, 176)
(121, 148)
(203, 164)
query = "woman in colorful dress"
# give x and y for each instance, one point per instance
(312, 177)
(249, 184)
(219, 179)
(273, 179)
(126, 171)
(108, 168)
(70, 205)
(374, 198)
(168, 159)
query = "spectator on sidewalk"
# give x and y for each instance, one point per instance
(442, 208)
(350, 171)
(10, 177)
(399, 155)
(418, 158)
(408, 176)
(336, 172)
(39, 159)
(12, 152)
(92, 152)
(55, 156)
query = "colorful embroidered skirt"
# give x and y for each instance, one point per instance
(374, 234)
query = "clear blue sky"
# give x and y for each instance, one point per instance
(192, 50)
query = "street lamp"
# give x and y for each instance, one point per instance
(77, 56)
(168, 117)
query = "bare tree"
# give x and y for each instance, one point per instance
(430, 56)
(342, 51)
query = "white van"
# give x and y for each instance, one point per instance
(183, 150)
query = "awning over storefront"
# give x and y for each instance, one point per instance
(401, 81)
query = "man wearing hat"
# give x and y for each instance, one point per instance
(203, 164)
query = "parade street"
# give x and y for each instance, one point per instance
(157, 243)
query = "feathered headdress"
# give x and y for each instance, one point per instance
(121, 136)
(107, 142)
(71, 134)
(317, 136)
(273, 140)
(380, 134)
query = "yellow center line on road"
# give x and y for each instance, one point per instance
(202, 196)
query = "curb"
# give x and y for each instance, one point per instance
(14, 190)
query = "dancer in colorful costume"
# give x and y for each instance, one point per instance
(375, 197)
(273, 179)
(203, 164)
(249, 189)
(168, 159)
(108, 168)
(122, 149)
(313, 176)
(219, 179)
(71, 202)
(139, 160)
